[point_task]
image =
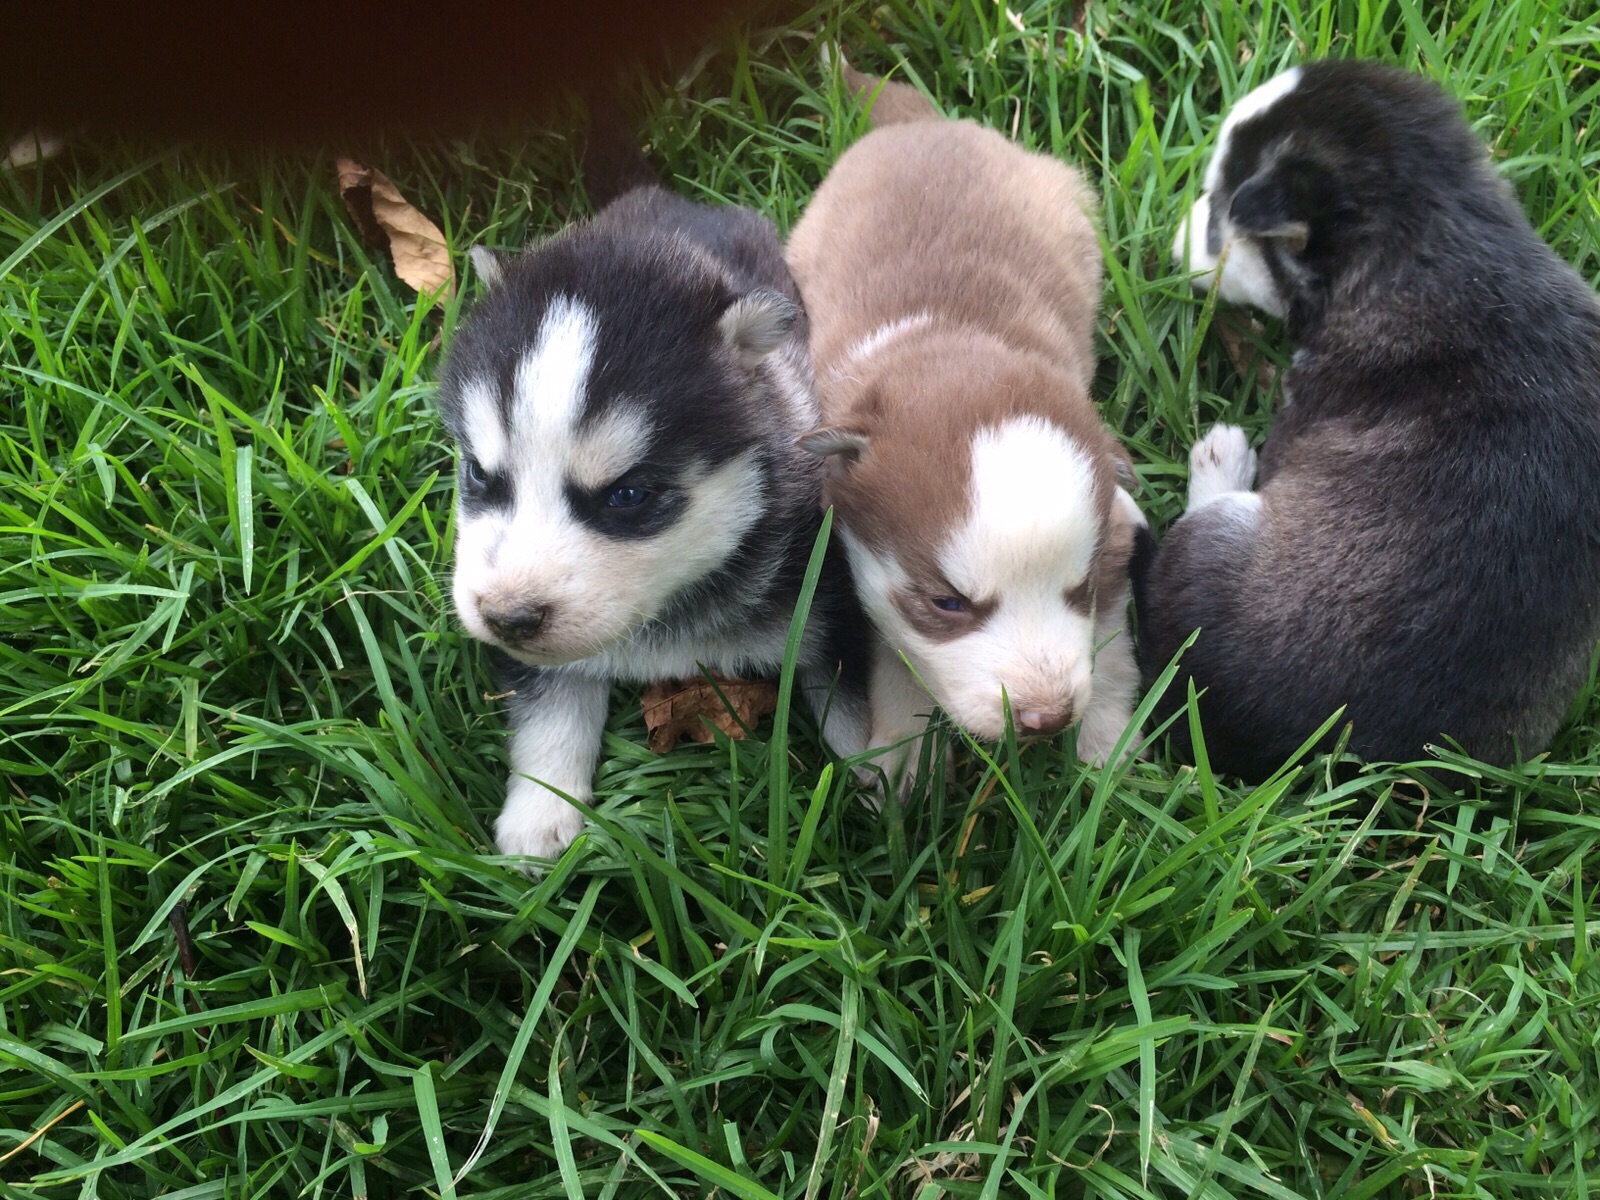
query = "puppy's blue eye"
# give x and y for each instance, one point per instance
(949, 604)
(626, 497)
(476, 475)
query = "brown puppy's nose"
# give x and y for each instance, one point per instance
(514, 624)
(1033, 720)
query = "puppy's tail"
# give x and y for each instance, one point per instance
(890, 103)
(613, 164)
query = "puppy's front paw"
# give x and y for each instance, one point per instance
(1219, 463)
(1098, 734)
(536, 821)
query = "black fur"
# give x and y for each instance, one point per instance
(1428, 552)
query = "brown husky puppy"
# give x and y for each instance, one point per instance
(952, 281)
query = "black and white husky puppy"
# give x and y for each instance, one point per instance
(632, 505)
(1423, 544)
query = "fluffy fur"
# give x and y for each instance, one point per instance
(632, 505)
(974, 485)
(1423, 547)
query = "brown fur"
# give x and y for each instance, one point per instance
(998, 247)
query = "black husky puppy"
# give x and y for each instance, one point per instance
(632, 505)
(1423, 547)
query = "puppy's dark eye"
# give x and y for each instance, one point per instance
(949, 604)
(477, 477)
(626, 496)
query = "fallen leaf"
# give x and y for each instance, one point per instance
(1236, 333)
(385, 220)
(675, 708)
(33, 148)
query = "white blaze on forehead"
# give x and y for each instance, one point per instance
(1251, 104)
(551, 380)
(1032, 522)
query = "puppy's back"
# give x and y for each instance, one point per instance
(947, 218)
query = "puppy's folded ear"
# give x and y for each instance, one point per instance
(1275, 203)
(489, 265)
(1122, 466)
(829, 441)
(756, 323)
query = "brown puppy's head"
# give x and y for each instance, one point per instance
(975, 489)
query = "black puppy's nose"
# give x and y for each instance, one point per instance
(514, 624)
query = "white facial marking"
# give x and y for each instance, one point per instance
(1245, 278)
(549, 387)
(485, 435)
(886, 333)
(1032, 518)
(609, 446)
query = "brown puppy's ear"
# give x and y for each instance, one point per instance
(1122, 466)
(489, 265)
(756, 324)
(835, 441)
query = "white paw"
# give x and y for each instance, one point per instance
(888, 765)
(1220, 463)
(536, 821)
(1098, 734)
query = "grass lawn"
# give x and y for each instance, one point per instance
(254, 941)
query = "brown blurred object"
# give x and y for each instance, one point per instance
(678, 708)
(387, 221)
(295, 71)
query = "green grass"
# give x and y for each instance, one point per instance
(232, 702)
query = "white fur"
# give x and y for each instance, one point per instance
(482, 417)
(1220, 464)
(900, 710)
(549, 387)
(555, 748)
(608, 447)
(486, 263)
(1252, 104)
(886, 333)
(1029, 538)
(1244, 277)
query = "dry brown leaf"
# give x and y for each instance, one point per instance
(385, 220)
(1249, 361)
(33, 148)
(674, 708)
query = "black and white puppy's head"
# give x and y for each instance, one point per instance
(1320, 176)
(610, 457)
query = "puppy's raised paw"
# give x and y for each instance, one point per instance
(536, 821)
(1219, 463)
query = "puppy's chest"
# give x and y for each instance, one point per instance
(756, 650)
